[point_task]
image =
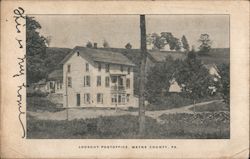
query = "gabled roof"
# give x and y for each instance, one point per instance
(98, 55)
(160, 56)
(56, 75)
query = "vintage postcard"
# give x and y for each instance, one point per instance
(108, 79)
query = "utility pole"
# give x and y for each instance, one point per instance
(142, 77)
(66, 87)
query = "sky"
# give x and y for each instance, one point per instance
(69, 31)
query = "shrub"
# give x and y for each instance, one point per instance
(37, 94)
(205, 125)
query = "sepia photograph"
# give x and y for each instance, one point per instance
(110, 76)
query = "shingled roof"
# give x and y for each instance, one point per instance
(160, 56)
(56, 75)
(98, 55)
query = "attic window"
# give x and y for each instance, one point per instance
(78, 53)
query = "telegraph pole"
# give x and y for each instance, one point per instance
(142, 77)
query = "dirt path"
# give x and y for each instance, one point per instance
(95, 113)
(185, 109)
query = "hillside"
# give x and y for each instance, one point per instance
(54, 56)
(216, 56)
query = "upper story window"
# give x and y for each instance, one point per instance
(128, 83)
(99, 98)
(86, 81)
(86, 98)
(121, 68)
(99, 67)
(87, 67)
(69, 82)
(99, 81)
(107, 67)
(68, 68)
(128, 70)
(107, 81)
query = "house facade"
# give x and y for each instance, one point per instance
(97, 78)
(55, 82)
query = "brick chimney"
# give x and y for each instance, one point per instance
(95, 45)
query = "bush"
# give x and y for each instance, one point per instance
(37, 94)
(188, 126)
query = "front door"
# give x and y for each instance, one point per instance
(78, 99)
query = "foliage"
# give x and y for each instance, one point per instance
(185, 43)
(35, 51)
(194, 78)
(128, 46)
(105, 44)
(36, 94)
(158, 79)
(205, 45)
(186, 126)
(89, 44)
(166, 38)
(53, 58)
(225, 82)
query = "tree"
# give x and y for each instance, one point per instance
(206, 43)
(105, 44)
(128, 46)
(48, 40)
(36, 51)
(225, 82)
(185, 43)
(194, 78)
(89, 44)
(166, 38)
(159, 77)
(157, 41)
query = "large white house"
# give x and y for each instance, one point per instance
(97, 78)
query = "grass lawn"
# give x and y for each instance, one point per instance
(41, 104)
(180, 126)
(212, 107)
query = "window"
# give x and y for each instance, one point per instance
(114, 99)
(57, 85)
(128, 70)
(69, 68)
(113, 79)
(99, 98)
(128, 97)
(99, 81)
(86, 81)
(128, 83)
(87, 98)
(121, 68)
(107, 68)
(99, 67)
(107, 81)
(87, 67)
(69, 82)
(120, 81)
(78, 53)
